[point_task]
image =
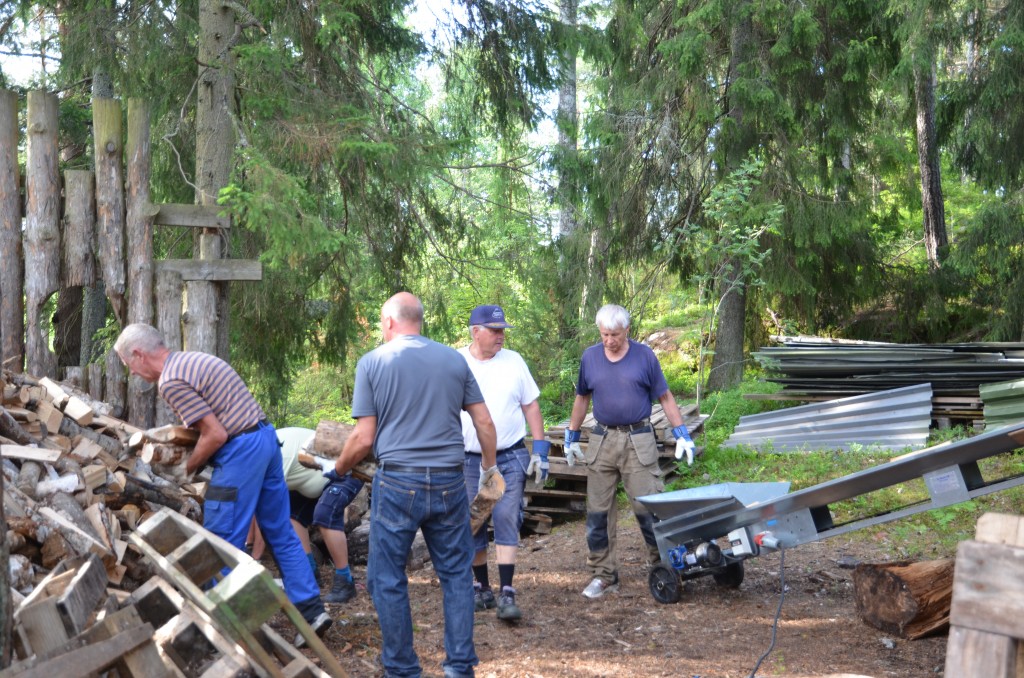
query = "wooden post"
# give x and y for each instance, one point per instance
(168, 306)
(200, 318)
(42, 227)
(141, 394)
(106, 120)
(6, 608)
(115, 390)
(986, 624)
(78, 270)
(12, 310)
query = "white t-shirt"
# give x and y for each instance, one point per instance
(507, 385)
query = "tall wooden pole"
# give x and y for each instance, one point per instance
(42, 227)
(139, 231)
(215, 143)
(12, 309)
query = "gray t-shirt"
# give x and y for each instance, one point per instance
(416, 388)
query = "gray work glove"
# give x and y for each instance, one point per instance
(684, 444)
(539, 465)
(486, 475)
(573, 453)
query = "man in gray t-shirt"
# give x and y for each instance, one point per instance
(408, 399)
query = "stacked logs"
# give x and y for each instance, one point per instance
(77, 479)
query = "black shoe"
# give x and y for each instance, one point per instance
(341, 591)
(483, 598)
(507, 608)
(319, 626)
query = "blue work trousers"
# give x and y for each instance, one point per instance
(248, 480)
(435, 503)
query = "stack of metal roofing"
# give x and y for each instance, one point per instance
(817, 369)
(1004, 403)
(895, 420)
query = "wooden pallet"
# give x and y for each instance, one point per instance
(240, 602)
(986, 634)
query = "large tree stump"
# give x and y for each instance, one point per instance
(908, 599)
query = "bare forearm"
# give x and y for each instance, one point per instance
(671, 408)
(534, 420)
(579, 412)
(355, 451)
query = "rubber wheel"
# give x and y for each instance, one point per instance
(731, 577)
(664, 584)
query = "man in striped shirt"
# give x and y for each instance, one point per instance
(235, 438)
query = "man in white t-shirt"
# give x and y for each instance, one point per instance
(510, 394)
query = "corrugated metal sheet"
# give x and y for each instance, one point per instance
(893, 419)
(1004, 403)
(812, 368)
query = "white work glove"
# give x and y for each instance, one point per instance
(486, 475)
(573, 453)
(539, 465)
(326, 465)
(684, 444)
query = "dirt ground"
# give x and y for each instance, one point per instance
(713, 632)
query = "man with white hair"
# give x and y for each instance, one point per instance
(623, 377)
(236, 439)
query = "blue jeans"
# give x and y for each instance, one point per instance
(507, 516)
(436, 504)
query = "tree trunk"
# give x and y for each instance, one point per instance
(910, 600)
(567, 121)
(42, 229)
(727, 363)
(215, 143)
(933, 209)
(139, 232)
(12, 309)
(168, 321)
(107, 131)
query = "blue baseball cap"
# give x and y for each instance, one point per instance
(488, 316)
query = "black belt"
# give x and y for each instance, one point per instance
(399, 468)
(252, 429)
(627, 428)
(518, 445)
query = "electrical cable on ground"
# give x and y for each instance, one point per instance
(778, 612)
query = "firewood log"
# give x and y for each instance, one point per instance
(330, 438)
(161, 453)
(908, 599)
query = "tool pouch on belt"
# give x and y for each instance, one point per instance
(594, 440)
(645, 445)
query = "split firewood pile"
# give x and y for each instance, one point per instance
(79, 486)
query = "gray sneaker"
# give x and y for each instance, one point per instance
(507, 608)
(483, 598)
(319, 626)
(598, 587)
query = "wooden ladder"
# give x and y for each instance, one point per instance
(240, 603)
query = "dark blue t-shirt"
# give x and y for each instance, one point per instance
(622, 392)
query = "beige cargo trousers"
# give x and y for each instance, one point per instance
(629, 454)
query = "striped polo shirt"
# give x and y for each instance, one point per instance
(196, 384)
